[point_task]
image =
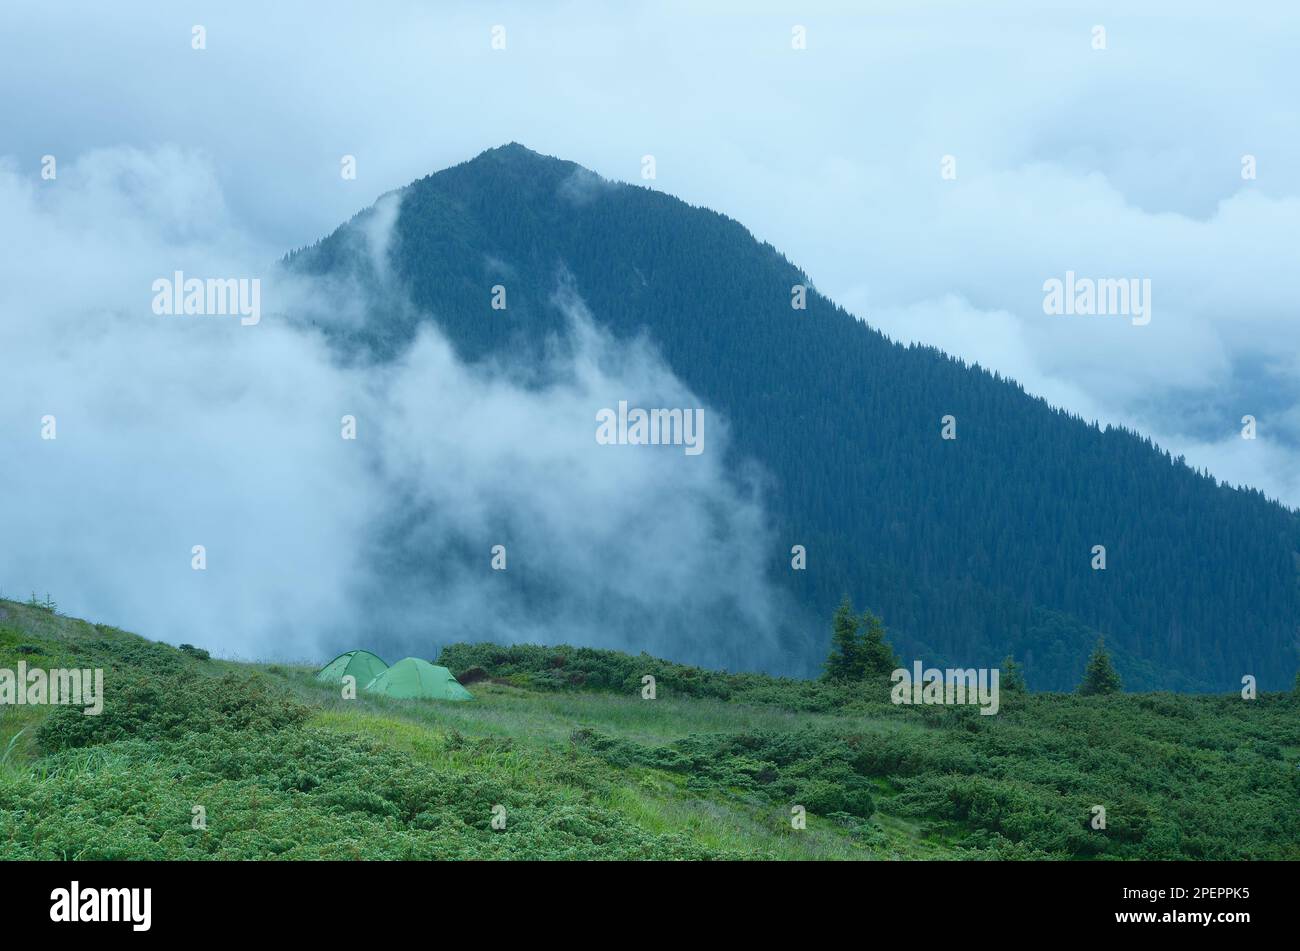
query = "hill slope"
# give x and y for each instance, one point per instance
(969, 548)
(283, 767)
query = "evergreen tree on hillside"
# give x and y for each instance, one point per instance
(1297, 683)
(877, 655)
(1013, 678)
(858, 646)
(846, 660)
(1100, 677)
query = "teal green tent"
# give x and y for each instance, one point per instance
(415, 679)
(362, 665)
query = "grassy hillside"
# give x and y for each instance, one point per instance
(585, 768)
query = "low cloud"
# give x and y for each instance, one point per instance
(173, 432)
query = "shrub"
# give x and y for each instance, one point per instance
(812, 768)
(169, 707)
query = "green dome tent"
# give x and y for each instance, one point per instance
(415, 679)
(362, 665)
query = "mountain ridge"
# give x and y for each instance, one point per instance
(968, 553)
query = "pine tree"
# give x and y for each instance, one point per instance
(1297, 683)
(1100, 677)
(845, 661)
(1013, 678)
(877, 656)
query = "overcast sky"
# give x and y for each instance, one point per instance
(1117, 162)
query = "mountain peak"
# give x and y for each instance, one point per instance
(514, 149)
(513, 166)
(516, 153)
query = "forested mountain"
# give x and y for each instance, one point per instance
(969, 548)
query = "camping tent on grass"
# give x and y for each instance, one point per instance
(362, 665)
(415, 679)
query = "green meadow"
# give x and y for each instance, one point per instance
(560, 756)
